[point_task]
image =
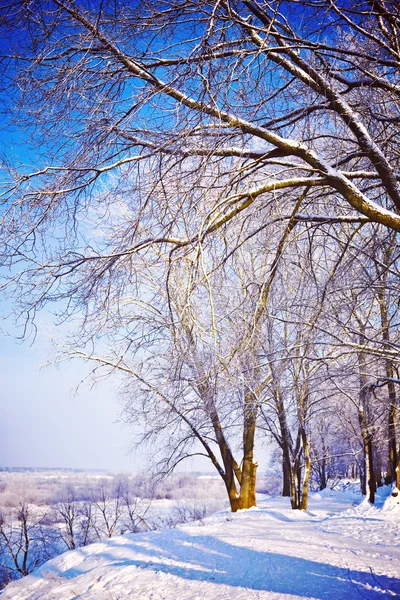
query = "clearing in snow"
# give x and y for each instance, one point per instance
(338, 549)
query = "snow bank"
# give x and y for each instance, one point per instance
(392, 503)
(267, 553)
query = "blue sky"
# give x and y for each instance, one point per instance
(45, 424)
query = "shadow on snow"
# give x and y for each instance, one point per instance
(206, 558)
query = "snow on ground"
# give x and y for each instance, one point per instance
(339, 549)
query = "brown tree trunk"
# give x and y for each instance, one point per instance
(323, 480)
(233, 475)
(378, 469)
(364, 425)
(392, 446)
(363, 475)
(294, 500)
(369, 476)
(286, 476)
(371, 470)
(302, 404)
(233, 496)
(307, 469)
(247, 497)
(287, 444)
(398, 470)
(240, 483)
(295, 496)
(392, 416)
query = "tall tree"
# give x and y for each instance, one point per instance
(161, 139)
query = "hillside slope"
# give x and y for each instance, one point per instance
(336, 550)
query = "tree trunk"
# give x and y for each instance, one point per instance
(286, 476)
(287, 444)
(294, 500)
(232, 495)
(295, 496)
(242, 490)
(369, 475)
(231, 468)
(398, 470)
(364, 424)
(371, 470)
(392, 446)
(247, 497)
(363, 475)
(378, 469)
(307, 469)
(323, 481)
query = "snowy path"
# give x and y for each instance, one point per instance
(266, 553)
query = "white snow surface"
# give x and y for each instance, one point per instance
(339, 549)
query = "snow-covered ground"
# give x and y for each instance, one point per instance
(338, 549)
